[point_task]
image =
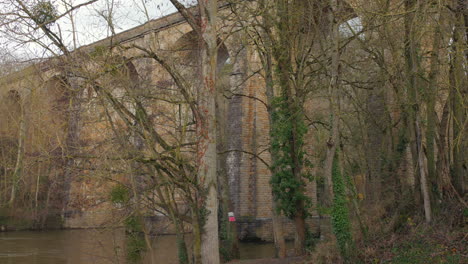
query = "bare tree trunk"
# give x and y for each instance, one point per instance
(412, 67)
(179, 227)
(207, 155)
(71, 141)
(300, 234)
(431, 99)
(229, 234)
(376, 143)
(36, 195)
(4, 195)
(442, 165)
(333, 94)
(422, 172)
(18, 172)
(137, 190)
(4, 173)
(197, 236)
(458, 98)
(278, 234)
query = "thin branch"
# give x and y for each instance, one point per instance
(246, 152)
(188, 16)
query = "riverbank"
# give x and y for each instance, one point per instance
(290, 260)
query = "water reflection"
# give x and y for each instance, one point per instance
(58, 247)
(94, 247)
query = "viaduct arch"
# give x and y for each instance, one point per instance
(247, 119)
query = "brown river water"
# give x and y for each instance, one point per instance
(100, 246)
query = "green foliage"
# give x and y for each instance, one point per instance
(224, 237)
(286, 187)
(340, 214)
(222, 227)
(99, 51)
(311, 240)
(182, 250)
(203, 213)
(119, 194)
(226, 250)
(133, 224)
(135, 240)
(421, 252)
(45, 13)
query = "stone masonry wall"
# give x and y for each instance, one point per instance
(248, 129)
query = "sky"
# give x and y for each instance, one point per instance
(126, 14)
(89, 25)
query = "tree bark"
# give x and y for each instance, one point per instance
(230, 244)
(458, 98)
(431, 115)
(413, 82)
(333, 93)
(18, 171)
(422, 172)
(197, 236)
(207, 154)
(278, 233)
(71, 141)
(267, 60)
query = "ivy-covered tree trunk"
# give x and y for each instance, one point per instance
(287, 123)
(266, 56)
(340, 214)
(278, 234)
(287, 180)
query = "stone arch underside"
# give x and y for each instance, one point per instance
(231, 71)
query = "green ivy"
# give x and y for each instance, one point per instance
(225, 236)
(340, 214)
(182, 250)
(99, 51)
(119, 194)
(135, 240)
(287, 189)
(311, 240)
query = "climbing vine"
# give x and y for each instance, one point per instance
(286, 187)
(135, 242)
(119, 194)
(340, 214)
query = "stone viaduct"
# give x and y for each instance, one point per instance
(48, 125)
